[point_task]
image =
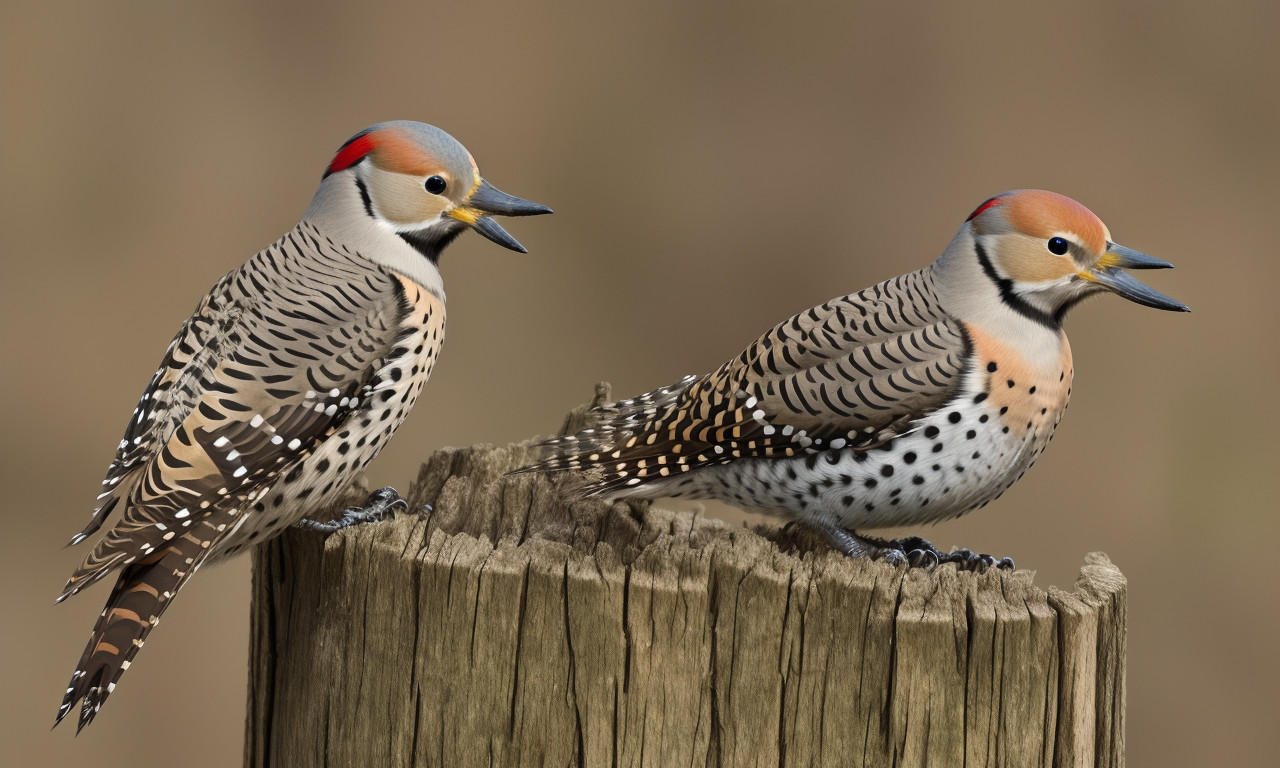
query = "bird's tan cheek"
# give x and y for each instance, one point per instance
(401, 199)
(1032, 263)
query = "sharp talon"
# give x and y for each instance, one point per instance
(922, 558)
(894, 557)
(381, 505)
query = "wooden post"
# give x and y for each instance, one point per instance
(508, 628)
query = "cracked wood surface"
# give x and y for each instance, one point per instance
(507, 628)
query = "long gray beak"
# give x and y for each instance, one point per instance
(1109, 273)
(488, 200)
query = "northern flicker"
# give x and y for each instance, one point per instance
(912, 401)
(287, 381)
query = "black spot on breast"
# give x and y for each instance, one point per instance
(322, 465)
(887, 470)
(870, 482)
(918, 480)
(909, 457)
(991, 366)
(970, 434)
(846, 500)
(955, 417)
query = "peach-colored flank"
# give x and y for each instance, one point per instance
(1044, 214)
(398, 153)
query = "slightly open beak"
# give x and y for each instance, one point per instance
(488, 199)
(1109, 273)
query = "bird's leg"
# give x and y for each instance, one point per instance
(912, 550)
(853, 545)
(380, 505)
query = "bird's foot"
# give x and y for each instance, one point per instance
(968, 560)
(381, 505)
(919, 552)
(911, 550)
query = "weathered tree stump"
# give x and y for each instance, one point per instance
(506, 627)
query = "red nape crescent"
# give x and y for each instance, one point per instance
(352, 152)
(977, 211)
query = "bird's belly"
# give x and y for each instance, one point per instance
(952, 461)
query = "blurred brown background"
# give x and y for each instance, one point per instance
(714, 169)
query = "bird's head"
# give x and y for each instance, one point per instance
(1045, 252)
(417, 181)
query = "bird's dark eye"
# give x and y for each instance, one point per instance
(435, 185)
(1057, 245)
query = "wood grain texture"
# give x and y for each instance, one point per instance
(505, 627)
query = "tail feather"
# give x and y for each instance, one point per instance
(607, 453)
(100, 516)
(137, 601)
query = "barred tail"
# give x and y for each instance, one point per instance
(140, 596)
(607, 453)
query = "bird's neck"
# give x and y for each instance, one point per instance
(970, 295)
(338, 211)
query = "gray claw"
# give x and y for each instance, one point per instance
(922, 558)
(894, 557)
(381, 505)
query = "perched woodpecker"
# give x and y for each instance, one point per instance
(912, 401)
(290, 377)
